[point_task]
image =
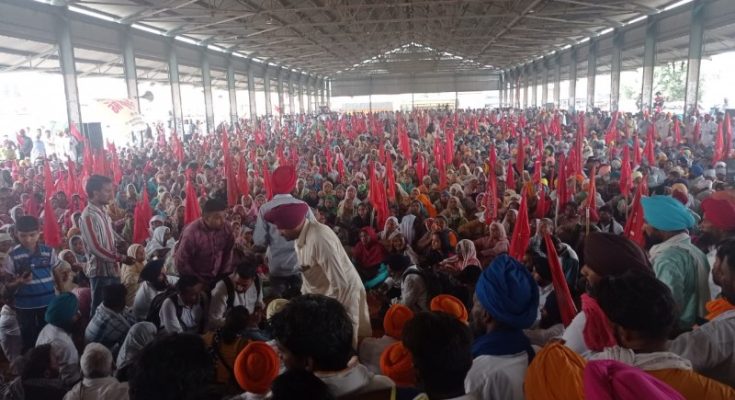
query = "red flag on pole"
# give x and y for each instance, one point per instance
(242, 178)
(510, 181)
(561, 183)
(727, 131)
(634, 225)
(142, 216)
(636, 151)
(625, 173)
(51, 230)
(521, 231)
(563, 296)
(75, 132)
(192, 210)
(390, 179)
(719, 145)
(677, 131)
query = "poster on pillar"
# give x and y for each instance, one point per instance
(118, 116)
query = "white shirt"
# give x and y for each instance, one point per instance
(711, 348)
(218, 302)
(98, 388)
(497, 377)
(65, 351)
(191, 317)
(144, 296)
(574, 335)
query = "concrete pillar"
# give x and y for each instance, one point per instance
(501, 85)
(526, 83)
(329, 93)
(267, 90)
(572, 79)
(649, 61)
(309, 102)
(591, 74)
(615, 66)
(291, 94)
(251, 93)
(323, 91)
(534, 92)
(231, 89)
(302, 103)
(696, 36)
(557, 82)
(129, 68)
(281, 104)
(207, 83)
(173, 80)
(545, 83)
(68, 71)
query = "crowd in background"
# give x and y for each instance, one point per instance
(440, 254)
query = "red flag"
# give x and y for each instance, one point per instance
(727, 130)
(75, 132)
(377, 197)
(404, 144)
(561, 183)
(328, 156)
(491, 194)
(520, 156)
(636, 151)
(677, 131)
(719, 145)
(192, 210)
(449, 146)
(612, 131)
(625, 173)
(390, 179)
(341, 168)
(634, 225)
(563, 296)
(420, 167)
(267, 181)
(510, 181)
(51, 230)
(537, 172)
(242, 178)
(521, 231)
(142, 216)
(590, 201)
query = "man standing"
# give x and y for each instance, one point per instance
(205, 248)
(100, 239)
(284, 266)
(326, 268)
(676, 261)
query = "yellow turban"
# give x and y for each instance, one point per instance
(555, 373)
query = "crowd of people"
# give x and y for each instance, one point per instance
(433, 254)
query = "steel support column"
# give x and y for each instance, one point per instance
(173, 79)
(302, 105)
(572, 102)
(267, 90)
(557, 82)
(231, 90)
(696, 39)
(68, 71)
(501, 95)
(129, 68)
(649, 61)
(322, 91)
(545, 83)
(329, 93)
(534, 91)
(207, 84)
(251, 94)
(291, 94)
(526, 83)
(309, 102)
(517, 91)
(281, 103)
(615, 66)
(591, 74)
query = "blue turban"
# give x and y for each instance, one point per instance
(62, 309)
(665, 213)
(696, 170)
(508, 292)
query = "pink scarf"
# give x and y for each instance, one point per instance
(597, 333)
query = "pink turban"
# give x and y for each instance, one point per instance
(283, 179)
(613, 380)
(287, 216)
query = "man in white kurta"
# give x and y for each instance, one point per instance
(326, 268)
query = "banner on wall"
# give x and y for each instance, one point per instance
(120, 112)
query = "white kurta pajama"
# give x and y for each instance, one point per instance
(328, 271)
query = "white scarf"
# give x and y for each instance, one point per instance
(645, 361)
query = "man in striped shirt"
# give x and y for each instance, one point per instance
(100, 239)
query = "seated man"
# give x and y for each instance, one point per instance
(314, 332)
(710, 348)
(241, 288)
(643, 314)
(506, 302)
(183, 310)
(98, 383)
(440, 347)
(111, 322)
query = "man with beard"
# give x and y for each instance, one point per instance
(717, 225)
(506, 302)
(152, 282)
(676, 261)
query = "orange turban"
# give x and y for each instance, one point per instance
(256, 367)
(395, 319)
(450, 305)
(555, 373)
(396, 363)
